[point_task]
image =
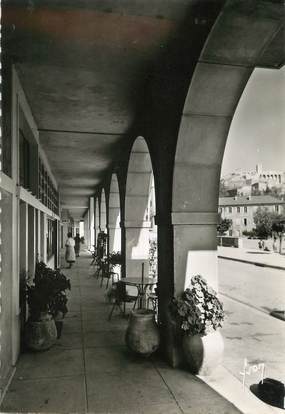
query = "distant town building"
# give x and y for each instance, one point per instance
(241, 209)
(245, 183)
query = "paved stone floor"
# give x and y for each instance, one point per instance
(90, 370)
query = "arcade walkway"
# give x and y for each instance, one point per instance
(90, 369)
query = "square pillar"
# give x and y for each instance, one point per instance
(137, 248)
(92, 222)
(88, 239)
(195, 248)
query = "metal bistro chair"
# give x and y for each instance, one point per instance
(99, 263)
(108, 274)
(122, 297)
(94, 256)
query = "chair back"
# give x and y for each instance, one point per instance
(120, 291)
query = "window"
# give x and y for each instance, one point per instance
(238, 209)
(51, 238)
(245, 222)
(24, 160)
(47, 192)
(277, 209)
(245, 209)
(230, 209)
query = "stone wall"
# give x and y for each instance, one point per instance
(228, 241)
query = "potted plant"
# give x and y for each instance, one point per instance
(115, 258)
(200, 314)
(113, 263)
(153, 258)
(58, 300)
(46, 298)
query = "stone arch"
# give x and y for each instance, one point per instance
(137, 224)
(232, 50)
(114, 215)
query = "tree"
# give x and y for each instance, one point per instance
(278, 229)
(263, 219)
(224, 225)
(276, 192)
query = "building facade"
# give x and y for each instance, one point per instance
(241, 210)
(30, 223)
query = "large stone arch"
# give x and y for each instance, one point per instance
(137, 224)
(234, 46)
(114, 215)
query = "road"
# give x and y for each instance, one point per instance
(249, 332)
(261, 287)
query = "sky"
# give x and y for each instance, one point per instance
(257, 133)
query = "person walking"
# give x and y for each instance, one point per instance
(274, 246)
(77, 244)
(261, 244)
(69, 250)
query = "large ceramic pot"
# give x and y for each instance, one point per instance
(203, 353)
(41, 335)
(142, 334)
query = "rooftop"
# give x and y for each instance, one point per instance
(249, 200)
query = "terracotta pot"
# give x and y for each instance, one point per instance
(40, 336)
(142, 334)
(203, 352)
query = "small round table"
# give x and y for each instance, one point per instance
(141, 284)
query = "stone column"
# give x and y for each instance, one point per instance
(103, 214)
(97, 220)
(114, 238)
(91, 222)
(114, 224)
(195, 248)
(137, 247)
(86, 229)
(87, 237)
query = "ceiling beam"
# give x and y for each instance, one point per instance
(72, 207)
(63, 131)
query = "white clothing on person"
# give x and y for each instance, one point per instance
(69, 250)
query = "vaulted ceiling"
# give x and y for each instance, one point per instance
(84, 66)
